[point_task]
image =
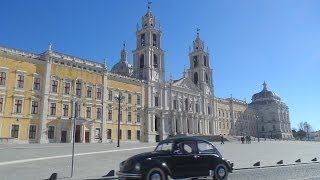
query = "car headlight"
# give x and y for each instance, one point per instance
(137, 167)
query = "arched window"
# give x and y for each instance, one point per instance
(154, 38)
(205, 60)
(195, 61)
(195, 78)
(155, 61)
(207, 78)
(142, 61)
(143, 40)
(186, 104)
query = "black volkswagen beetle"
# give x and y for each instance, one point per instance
(177, 157)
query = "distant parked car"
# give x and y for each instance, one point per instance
(177, 157)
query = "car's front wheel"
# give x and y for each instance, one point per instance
(156, 174)
(221, 172)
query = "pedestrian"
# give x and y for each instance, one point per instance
(222, 141)
(242, 139)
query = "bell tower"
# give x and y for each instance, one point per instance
(200, 72)
(148, 57)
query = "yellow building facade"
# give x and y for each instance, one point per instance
(43, 96)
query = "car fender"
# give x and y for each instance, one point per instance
(160, 164)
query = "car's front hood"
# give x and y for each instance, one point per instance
(130, 162)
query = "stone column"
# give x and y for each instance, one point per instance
(45, 90)
(181, 124)
(92, 133)
(82, 133)
(58, 134)
(103, 131)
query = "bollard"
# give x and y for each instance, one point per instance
(110, 173)
(257, 163)
(280, 162)
(298, 161)
(314, 159)
(54, 176)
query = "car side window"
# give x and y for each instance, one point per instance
(205, 148)
(188, 147)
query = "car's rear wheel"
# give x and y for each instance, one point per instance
(221, 172)
(156, 174)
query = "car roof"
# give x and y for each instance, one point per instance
(178, 139)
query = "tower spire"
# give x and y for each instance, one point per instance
(264, 85)
(198, 30)
(149, 2)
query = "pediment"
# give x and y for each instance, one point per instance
(186, 83)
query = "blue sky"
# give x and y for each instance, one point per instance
(250, 41)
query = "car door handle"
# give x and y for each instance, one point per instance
(196, 156)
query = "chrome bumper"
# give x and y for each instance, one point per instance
(128, 175)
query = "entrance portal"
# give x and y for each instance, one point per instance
(87, 135)
(63, 136)
(77, 133)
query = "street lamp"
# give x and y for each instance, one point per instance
(119, 98)
(74, 134)
(257, 130)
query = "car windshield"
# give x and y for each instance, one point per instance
(165, 146)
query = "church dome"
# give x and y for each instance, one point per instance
(265, 94)
(123, 67)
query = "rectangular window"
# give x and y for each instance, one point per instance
(99, 113)
(3, 78)
(34, 107)
(197, 108)
(78, 88)
(129, 114)
(14, 131)
(110, 114)
(156, 101)
(53, 109)
(99, 93)
(138, 116)
(220, 125)
(65, 110)
(1, 104)
(129, 135)
(129, 99)
(88, 112)
(18, 106)
(175, 104)
(97, 133)
(138, 134)
(138, 99)
(20, 81)
(36, 84)
(109, 132)
(32, 131)
(110, 95)
(67, 88)
(51, 132)
(54, 86)
(89, 92)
